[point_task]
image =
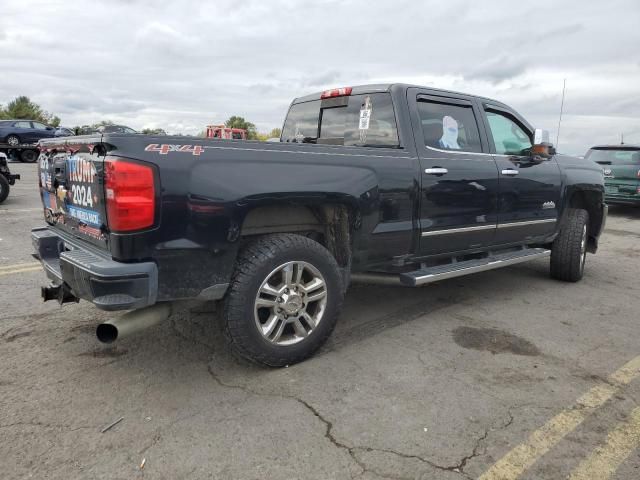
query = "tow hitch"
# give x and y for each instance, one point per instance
(61, 293)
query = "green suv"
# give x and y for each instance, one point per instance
(621, 168)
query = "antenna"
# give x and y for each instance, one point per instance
(622, 139)
(564, 84)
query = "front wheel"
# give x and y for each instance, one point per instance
(283, 301)
(569, 249)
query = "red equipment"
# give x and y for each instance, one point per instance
(220, 131)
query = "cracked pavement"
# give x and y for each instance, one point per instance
(391, 396)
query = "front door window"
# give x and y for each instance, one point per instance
(509, 138)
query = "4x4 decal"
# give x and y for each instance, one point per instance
(164, 149)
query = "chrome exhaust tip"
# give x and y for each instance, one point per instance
(132, 322)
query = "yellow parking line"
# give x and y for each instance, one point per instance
(19, 270)
(521, 457)
(606, 459)
(19, 265)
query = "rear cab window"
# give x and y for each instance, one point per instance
(366, 120)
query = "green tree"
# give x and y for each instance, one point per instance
(23, 108)
(239, 122)
(102, 123)
(275, 133)
(153, 131)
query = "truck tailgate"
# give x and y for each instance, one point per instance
(72, 188)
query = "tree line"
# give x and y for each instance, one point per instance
(23, 108)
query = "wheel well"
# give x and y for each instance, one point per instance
(591, 201)
(327, 224)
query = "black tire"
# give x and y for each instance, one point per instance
(256, 263)
(568, 251)
(28, 156)
(4, 188)
(13, 140)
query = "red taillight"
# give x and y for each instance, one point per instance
(130, 195)
(337, 92)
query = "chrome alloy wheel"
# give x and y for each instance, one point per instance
(290, 303)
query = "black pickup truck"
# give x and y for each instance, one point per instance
(379, 183)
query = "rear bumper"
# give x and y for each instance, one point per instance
(93, 275)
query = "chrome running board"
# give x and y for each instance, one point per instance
(458, 269)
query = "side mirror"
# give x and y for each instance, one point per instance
(541, 145)
(49, 128)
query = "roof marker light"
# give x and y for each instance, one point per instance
(337, 92)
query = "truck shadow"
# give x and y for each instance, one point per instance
(372, 310)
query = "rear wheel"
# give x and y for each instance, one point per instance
(29, 156)
(569, 249)
(13, 140)
(4, 188)
(283, 301)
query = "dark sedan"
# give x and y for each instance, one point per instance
(16, 132)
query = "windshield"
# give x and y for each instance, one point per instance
(618, 156)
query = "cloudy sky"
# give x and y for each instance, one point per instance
(181, 65)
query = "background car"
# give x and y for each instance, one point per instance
(116, 129)
(621, 168)
(16, 132)
(64, 132)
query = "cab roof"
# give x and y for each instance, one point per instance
(387, 87)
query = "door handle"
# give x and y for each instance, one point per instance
(510, 171)
(436, 171)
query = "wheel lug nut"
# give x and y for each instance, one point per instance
(286, 290)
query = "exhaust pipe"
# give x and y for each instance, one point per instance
(132, 322)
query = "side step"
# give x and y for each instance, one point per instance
(458, 269)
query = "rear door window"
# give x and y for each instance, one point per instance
(22, 124)
(449, 126)
(356, 120)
